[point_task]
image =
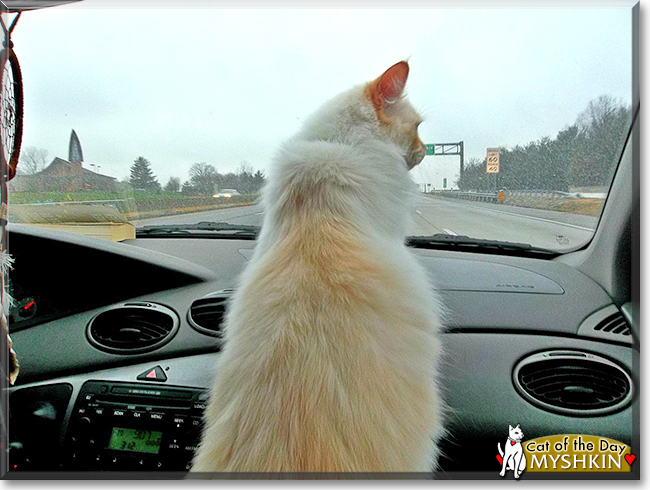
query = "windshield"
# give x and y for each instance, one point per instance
(159, 116)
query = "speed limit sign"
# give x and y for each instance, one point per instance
(492, 161)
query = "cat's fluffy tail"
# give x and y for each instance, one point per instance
(500, 450)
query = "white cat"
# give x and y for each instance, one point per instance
(513, 458)
(331, 355)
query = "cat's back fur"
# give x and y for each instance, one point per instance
(330, 361)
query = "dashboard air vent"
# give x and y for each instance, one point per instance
(131, 328)
(564, 383)
(607, 323)
(207, 314)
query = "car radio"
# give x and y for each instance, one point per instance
(133, 426)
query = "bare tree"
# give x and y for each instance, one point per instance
(32, 160)
(599, 113)
(245, 168)
(203, 177)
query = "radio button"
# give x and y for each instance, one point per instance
(157, 416)
(173, 445)
(191, 447)
(179, 422)
(118, 412)
(138, 415)
(99, 411)
(199, 406)
(112, 462)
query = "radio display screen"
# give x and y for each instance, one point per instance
(142, 441)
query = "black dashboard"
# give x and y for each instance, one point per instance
(129, 330)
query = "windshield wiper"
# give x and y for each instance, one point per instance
(478, 245)
(221, 229)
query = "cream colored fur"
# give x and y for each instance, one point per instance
(331, 353)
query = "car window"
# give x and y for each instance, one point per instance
(136, 117)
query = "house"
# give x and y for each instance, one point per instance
(64, 175)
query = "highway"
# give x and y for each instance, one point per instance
(431, 215)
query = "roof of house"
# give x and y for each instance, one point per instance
(59, 165)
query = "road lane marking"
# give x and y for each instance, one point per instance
(570, 225)
(449, 232)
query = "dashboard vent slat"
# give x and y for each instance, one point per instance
(567, 384)
(132, 328)
(207, 314)
(607, 323)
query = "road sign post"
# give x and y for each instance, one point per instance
(492, 164)
(492, 161)
(444, 149)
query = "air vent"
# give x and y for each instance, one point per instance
(607, 323)
(573, 383)
(207, 314)
(132, 328)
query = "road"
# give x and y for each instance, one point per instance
(547, 229)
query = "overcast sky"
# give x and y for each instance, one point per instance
(228, 86)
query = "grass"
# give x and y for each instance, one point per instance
(42, 197)
(136, 205)
(590, 207)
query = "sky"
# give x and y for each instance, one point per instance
(181, 86)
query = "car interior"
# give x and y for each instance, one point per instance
(548, 341)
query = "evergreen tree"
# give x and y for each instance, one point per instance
(174, 184)
(142, 178)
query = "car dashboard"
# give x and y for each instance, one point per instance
(117, 362)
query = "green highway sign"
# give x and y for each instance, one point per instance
(430, 149)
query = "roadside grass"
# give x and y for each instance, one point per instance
(584, 206)
(134, 205)
(56, 196)
(589, 207)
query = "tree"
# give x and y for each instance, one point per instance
(603, 127)
(203, 178)
(32, 160)
(142, 178)
(582, 154)
(258, 181)
(245, 168)
(173, 185)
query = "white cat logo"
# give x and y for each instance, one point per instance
(514, 458)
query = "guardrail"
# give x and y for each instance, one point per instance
(471, 196)
(494, 196)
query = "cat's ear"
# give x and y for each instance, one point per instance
(390, 85)
(517, 426)
(509, 427)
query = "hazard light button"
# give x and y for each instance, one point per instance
(153, 374)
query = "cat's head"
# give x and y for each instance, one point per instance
(377, 110)
(516, 434)
(398, 120)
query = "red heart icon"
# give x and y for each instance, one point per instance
(500, 459)
(630, 458)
